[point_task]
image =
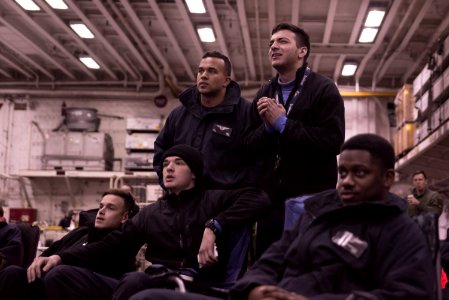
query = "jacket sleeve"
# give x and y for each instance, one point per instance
(163, 142)
(11, 251)
(239, 207)
(256, 138)
(436, 203)
(328, 135)
(267, 270)
(117, 246)
(66, 241)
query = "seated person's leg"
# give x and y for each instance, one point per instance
(13, 283)
(163, 294)
(130, 284)
(69, 282)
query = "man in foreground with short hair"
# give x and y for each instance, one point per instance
(116, 207)
(355, 242)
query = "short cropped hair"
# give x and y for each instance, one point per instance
(379, 148)
(216, 54)
(302, 38)
(417, 172)
(130, 204)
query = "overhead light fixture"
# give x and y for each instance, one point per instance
(196, 6)
(82, 30)
(57, 4)
(349, 69)
(374, 18)
(28, 5)
(373, 21)
(89, 62)
(368, 35)
(206, 34)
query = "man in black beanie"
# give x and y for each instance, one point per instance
(189, 231)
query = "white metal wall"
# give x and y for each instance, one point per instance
(21, 145)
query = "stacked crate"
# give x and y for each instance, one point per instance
(405, 124)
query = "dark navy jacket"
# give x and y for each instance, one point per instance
(309, 144)
(387, 256)
(217, 133)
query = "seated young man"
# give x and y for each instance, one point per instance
(11, 247)
(181, 230)
(116, 206)
(356, 242)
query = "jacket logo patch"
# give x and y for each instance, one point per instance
(351, 243)
(223, 130)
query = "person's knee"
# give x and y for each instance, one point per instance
(130, 284)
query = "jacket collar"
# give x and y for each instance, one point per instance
(329, 201)
(190, 98)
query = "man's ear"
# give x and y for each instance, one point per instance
(302, 52)
(227, 81)
(125, 217)
(389, 178)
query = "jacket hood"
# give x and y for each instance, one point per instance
(190, 97)
(327, 201)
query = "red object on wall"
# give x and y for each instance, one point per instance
(22, 215)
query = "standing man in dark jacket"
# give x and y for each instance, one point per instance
(181, 230)
(116, 206)
(356, 242)
(212, 119)
(297, 126)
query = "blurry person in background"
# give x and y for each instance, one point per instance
(421, 198)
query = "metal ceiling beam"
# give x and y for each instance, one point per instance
(124, 38)
(444, 27)
(13, 28)
(405, 41)
(246, 38)
(354, 34)
(78, 40)
(155, 66)
(188, 26)
(16, 66)
(25, 58)
(33, 24)
(295, 12)
(330, 21)
(259, 46)
(6, 74)
(380, 37)
(179, 52)
(145, 34)
(73, 6)
(217, 26)
(271, 23)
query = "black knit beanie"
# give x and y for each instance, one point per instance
(190, 155)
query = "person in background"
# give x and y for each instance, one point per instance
(181, 230)
(116, 207)
(212, 119)
(296, 126)
(353, 242)
(11, 247)
(422, 198)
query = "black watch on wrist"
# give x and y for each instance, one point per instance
(211, 225)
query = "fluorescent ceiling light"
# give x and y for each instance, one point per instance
(206, 34)
(89, 62)
(374, 18)
(28, 5)
(82, 30)
(196, 6)
(349, 69)
(57, 4)
(368, 35)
